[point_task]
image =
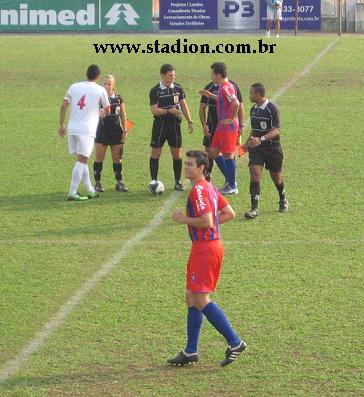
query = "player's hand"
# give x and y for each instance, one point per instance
(241, 130)
(206, 130)
(125, 134)
(190, 127)
(174, 111)
(206, 93)
(102, 113)
(177, 216)
(254, 142)
(61, 131)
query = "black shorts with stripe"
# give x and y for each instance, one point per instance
(166, 129)
(269, 154)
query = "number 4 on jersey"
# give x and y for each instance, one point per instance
(82, 103)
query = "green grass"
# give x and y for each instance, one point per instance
(291, 285)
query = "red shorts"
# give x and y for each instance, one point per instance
(225, 141)
(204, 264)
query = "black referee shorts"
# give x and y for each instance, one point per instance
(166, 130)
(268, 154)
(207, 140)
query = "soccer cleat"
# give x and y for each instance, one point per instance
(208, 177)
(283, 205)
(267, 33)
(92, 195)
(232, 354)
(252, 214)
(225, 185)
(229, 191)
(277, 36)
(183, 358)
(120, 187)
(99, 188)
(178, 186)
(76, 197)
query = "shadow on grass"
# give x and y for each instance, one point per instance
(98, 376)
(46, 201)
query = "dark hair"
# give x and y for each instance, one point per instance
(167, 68)
(93, 72)
(202, 158)
(259, 88)
(219, 68)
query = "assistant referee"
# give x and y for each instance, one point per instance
(167, 104)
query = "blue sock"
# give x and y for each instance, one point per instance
(220, 161)
(218, 319)
(230, 171)
(194, 322)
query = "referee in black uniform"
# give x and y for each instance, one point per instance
(167, 104)
(209, 124)
(264, 148)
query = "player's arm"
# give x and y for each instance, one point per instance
(226, 214)
(123, 118)
(241, 118)
(234, 112)
(62, 116)
(202, 115)
(201, 222)
(186, 113)
(208, 94)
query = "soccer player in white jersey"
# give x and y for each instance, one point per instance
(85, 99)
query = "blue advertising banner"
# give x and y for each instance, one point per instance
(309, 14)
(188, 15)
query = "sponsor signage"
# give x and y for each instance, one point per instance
(238, 14)
(309, 14)
(75, 15)
(188, 15)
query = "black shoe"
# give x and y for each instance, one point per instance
(178, 186)
(120, 187)
(183, 359)
(283, 205)
(208, 177)
(99, 188)
(232, 354)
(252, 214)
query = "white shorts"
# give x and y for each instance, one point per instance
(274, 14)
(81, 144)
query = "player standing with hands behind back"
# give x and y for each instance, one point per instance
(206, 210)
(85, 99)
(167, 104)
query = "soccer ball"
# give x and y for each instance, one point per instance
(156, 187)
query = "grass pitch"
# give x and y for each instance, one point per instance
(291, 285)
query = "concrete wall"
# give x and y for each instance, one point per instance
(359, 17)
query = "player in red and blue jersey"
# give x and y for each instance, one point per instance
(206, 209)
(223, 144)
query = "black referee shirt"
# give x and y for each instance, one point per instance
(166, 97)
(264, 118)
(211, 103)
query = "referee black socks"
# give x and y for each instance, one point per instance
(177, 168)
(153, 166)
(281, 191)
(254, 194)
(117, 171)
(97, 171)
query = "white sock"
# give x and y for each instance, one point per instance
(86, 179)
(76, 177)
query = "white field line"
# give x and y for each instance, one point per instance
(13, 365)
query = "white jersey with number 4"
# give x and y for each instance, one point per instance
(85, 99)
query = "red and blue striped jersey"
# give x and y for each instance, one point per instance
(205, 198)
(225, 97)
